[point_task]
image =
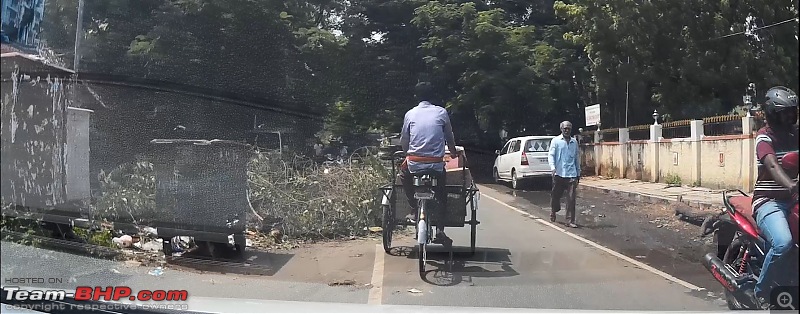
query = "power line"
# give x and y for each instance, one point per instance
(754, 30)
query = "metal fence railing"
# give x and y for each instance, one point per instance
(676, 129)
(712, 126)
(639, 132)
(722, 125)
(587, 137)
(609, 135)
(758, 124)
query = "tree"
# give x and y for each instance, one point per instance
(354, 63)
(688, 59)
(493, 69)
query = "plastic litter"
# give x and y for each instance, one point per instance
(150, 231)
(124, 241)
(156, 272)
(182, 243)
(152, 245)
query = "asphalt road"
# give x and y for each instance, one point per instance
(522, 262)
(648, 233)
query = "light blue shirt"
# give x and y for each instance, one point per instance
(563, 157)
(426, 130)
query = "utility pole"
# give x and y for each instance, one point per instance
(626, 91)
(78, 36)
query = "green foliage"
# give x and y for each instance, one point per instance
(317, 201)
(355, 62)
(313, 201)
(29, 230)
(673, 180)
(496, 68)
(99, 237)
(685, 58)
(127, 193)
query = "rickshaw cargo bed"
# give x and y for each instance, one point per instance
(459, 182)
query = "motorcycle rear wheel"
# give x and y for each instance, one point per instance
(734, 257)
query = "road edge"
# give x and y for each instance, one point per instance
(376, 284)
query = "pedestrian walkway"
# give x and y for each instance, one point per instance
(655, 192)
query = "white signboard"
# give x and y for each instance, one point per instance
(593, 115)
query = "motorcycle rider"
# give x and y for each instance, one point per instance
(774, 189)
(426, 131)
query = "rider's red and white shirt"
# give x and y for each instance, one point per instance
(770, 142)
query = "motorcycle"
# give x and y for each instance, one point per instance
(741, 248)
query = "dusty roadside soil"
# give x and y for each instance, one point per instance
(341, 262)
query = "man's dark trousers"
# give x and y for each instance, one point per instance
(560, 187)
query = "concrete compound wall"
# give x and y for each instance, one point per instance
(588, 162)
(722, 161)
(676, 159)
(637, 155)
(609, 159)
(716, 162)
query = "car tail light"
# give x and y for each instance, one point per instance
(524, 159)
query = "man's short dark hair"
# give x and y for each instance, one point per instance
(423, 91)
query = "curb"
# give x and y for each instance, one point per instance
(653, 199)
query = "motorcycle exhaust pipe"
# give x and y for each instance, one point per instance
(721, 273)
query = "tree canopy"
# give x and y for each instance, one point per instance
(514, 65)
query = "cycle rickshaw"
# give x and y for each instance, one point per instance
(462, 196)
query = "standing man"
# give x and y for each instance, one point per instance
(426, 132)
(563, 160)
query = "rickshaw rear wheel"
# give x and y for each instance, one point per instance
(472, 237)
(422, 252)
(388, 227)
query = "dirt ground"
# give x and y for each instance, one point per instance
(663, 216)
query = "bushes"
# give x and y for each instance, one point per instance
(672, 179)
(318, 201)
(127, 193)
(312, 201)
(27, 229)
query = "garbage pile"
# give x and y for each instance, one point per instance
(147, 240)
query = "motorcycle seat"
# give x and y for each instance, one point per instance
(744, 205)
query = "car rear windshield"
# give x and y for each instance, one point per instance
(537, 145)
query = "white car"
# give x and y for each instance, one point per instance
(522, 158)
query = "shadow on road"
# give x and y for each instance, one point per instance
(252, 263)
(485, 263)
(530, 185)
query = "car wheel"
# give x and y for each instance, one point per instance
(496, 176)
(514, 180)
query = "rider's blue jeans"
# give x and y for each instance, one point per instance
(771, 219)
